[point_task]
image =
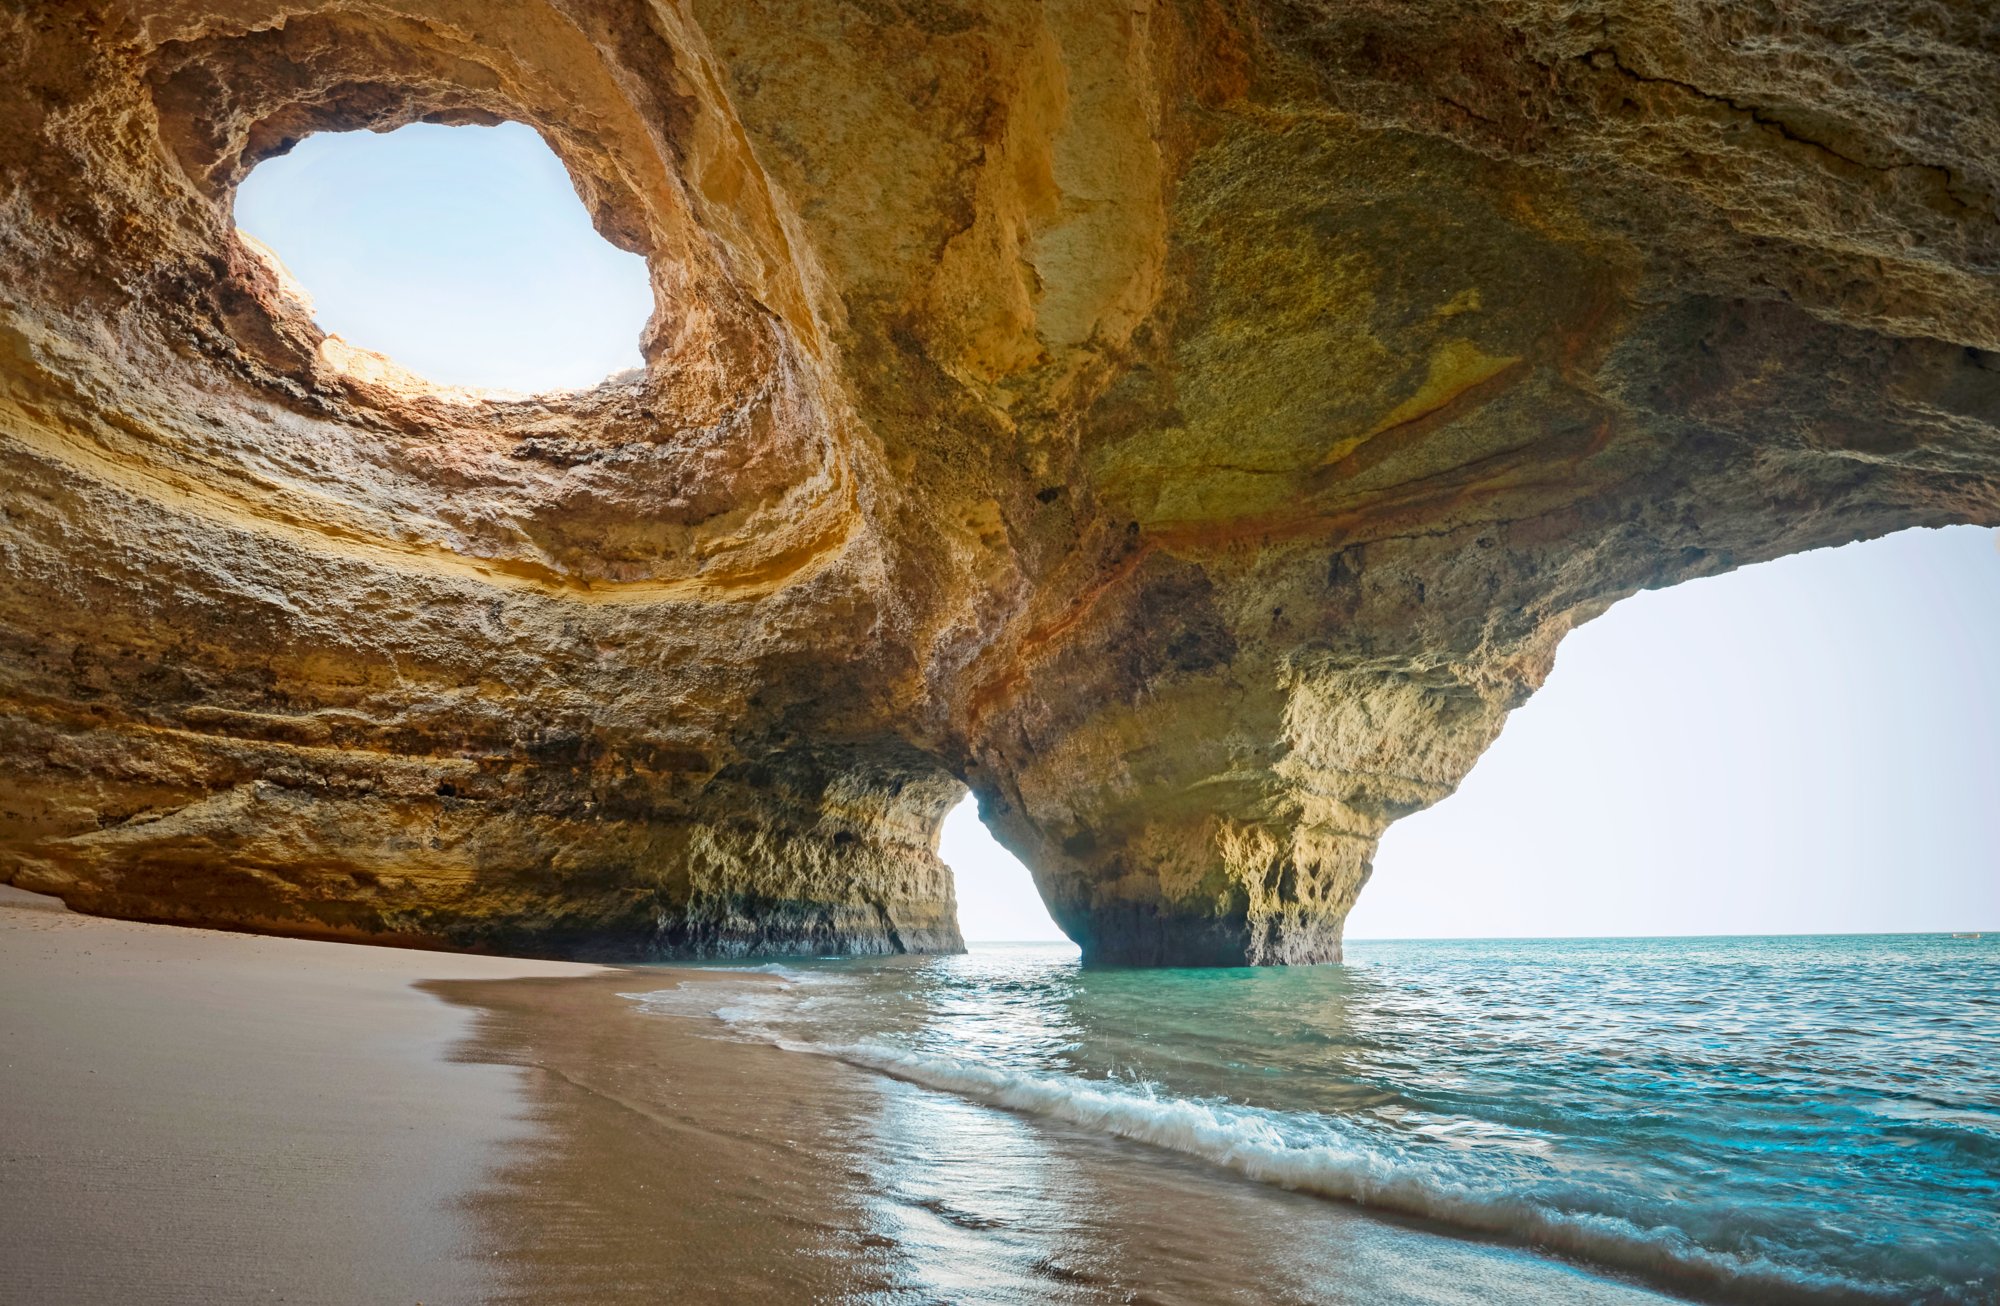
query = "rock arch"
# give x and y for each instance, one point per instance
(1191, 426)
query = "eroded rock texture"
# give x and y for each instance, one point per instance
(1190, 424)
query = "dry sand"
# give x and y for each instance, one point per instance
(193, 1116)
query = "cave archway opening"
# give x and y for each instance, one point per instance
(463, 254)
(1806, 746)
(997, 898)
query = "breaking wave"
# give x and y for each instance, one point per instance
(1799, 1120)
(1260, 1145)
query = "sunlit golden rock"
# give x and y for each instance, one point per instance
(1190, 425)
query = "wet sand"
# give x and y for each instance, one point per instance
(678, 1164)
(189, 1116)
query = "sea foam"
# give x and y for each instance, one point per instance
(1786, 1120)
(1255, 1144)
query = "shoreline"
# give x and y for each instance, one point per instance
(686, 1163)
(667, 1165)
(198, 1116)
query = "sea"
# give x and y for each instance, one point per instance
(1782, 1119)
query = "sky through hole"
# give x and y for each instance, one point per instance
(462, 253)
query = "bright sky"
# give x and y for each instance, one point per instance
(461, 252)
(1812, 745)
(1807, 746)
(997, 901)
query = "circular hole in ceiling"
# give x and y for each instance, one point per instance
(461, 254)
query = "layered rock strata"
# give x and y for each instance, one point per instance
(1191, 425)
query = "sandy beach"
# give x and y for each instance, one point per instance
(193, 1116)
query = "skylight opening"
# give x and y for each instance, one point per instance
(461, 255)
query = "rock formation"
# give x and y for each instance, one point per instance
(1191, 424)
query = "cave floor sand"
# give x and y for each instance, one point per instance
(192, 1116)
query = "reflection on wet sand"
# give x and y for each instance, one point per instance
(678, 1165)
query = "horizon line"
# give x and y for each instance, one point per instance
(1609, 938)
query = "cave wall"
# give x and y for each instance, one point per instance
(1190, 425)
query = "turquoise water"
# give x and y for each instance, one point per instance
(1765, 1119)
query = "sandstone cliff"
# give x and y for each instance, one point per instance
(1190, 423)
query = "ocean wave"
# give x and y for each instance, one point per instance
(742, 1008)
(1479, 1178)
(1252, 1143)
(777, 968)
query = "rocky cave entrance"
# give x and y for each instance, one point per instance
(1206, 527)
(997, 898)
(462, 254)
(1785, 707)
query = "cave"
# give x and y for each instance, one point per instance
(1189, 426)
